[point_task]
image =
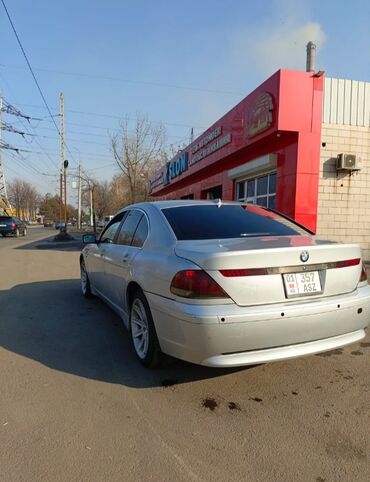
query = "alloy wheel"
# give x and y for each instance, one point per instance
(139, 328)
(83, 279)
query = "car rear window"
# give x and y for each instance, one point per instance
(228, 221)
(5, 218)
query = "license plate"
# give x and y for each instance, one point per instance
(302, 284)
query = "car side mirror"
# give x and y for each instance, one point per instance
(89, 238)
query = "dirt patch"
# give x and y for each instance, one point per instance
(338, 351)
(210, 403)
(234, 406)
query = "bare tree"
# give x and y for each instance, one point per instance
(119, 192)
(102, 198)
(24, 197)
(139, 153)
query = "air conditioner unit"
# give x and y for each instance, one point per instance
(347, 162)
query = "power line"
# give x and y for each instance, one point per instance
(32, 73)
(28, 166)
(89, 154)
(103, 167)
(111, 116)
(94, 134)
(10, 109)
(130, 81)
(29, 124)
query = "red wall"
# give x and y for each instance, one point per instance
(294, 134)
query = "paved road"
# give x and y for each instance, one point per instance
(76, 406)
(34, 233)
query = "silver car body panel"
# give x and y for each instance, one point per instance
(197, 333)
(257, 323)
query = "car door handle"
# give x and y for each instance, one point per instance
(125, 258)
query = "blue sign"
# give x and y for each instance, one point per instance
(175, 167)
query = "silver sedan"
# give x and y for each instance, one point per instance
(225, 284)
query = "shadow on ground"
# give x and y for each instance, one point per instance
(52, 323)
(50, 244)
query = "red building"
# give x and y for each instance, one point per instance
(265, 150)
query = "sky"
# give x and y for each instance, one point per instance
(181, 63)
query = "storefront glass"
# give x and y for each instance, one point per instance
(259, 190)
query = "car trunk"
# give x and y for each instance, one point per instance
(5, 221)
(263, 270)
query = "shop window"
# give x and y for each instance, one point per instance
(188, 196)
(213, 193)
(259, 190)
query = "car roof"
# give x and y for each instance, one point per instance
(179, 203)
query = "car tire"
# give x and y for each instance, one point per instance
(25, 232)
(142, 331)
(16, 234)
(85, 282)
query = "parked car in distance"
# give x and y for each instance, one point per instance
(59, 225)
(11, 225)
(48, 223)
(225, 284)
(103, 222)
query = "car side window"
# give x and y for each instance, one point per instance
(129, 226)
(110, 231)
(141, 233)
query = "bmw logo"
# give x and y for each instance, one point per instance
(304, 256)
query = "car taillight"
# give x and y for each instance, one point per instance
(363, 275)
(14, 225)
(193, 283)
(347, 262)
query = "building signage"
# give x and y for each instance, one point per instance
(206, 140)
(259, 116)
(175, 167)
(156, 181)
(198, 153)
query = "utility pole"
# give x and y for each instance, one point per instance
(79, 196)
(3, 193)
(91, 205)
(62, 155)
(65, 165)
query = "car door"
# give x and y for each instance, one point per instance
(95, 255)
(119, 257)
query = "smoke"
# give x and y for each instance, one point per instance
(254, 52)
(279, 42)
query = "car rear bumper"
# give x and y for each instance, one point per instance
(7, 230)
(229, 335)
